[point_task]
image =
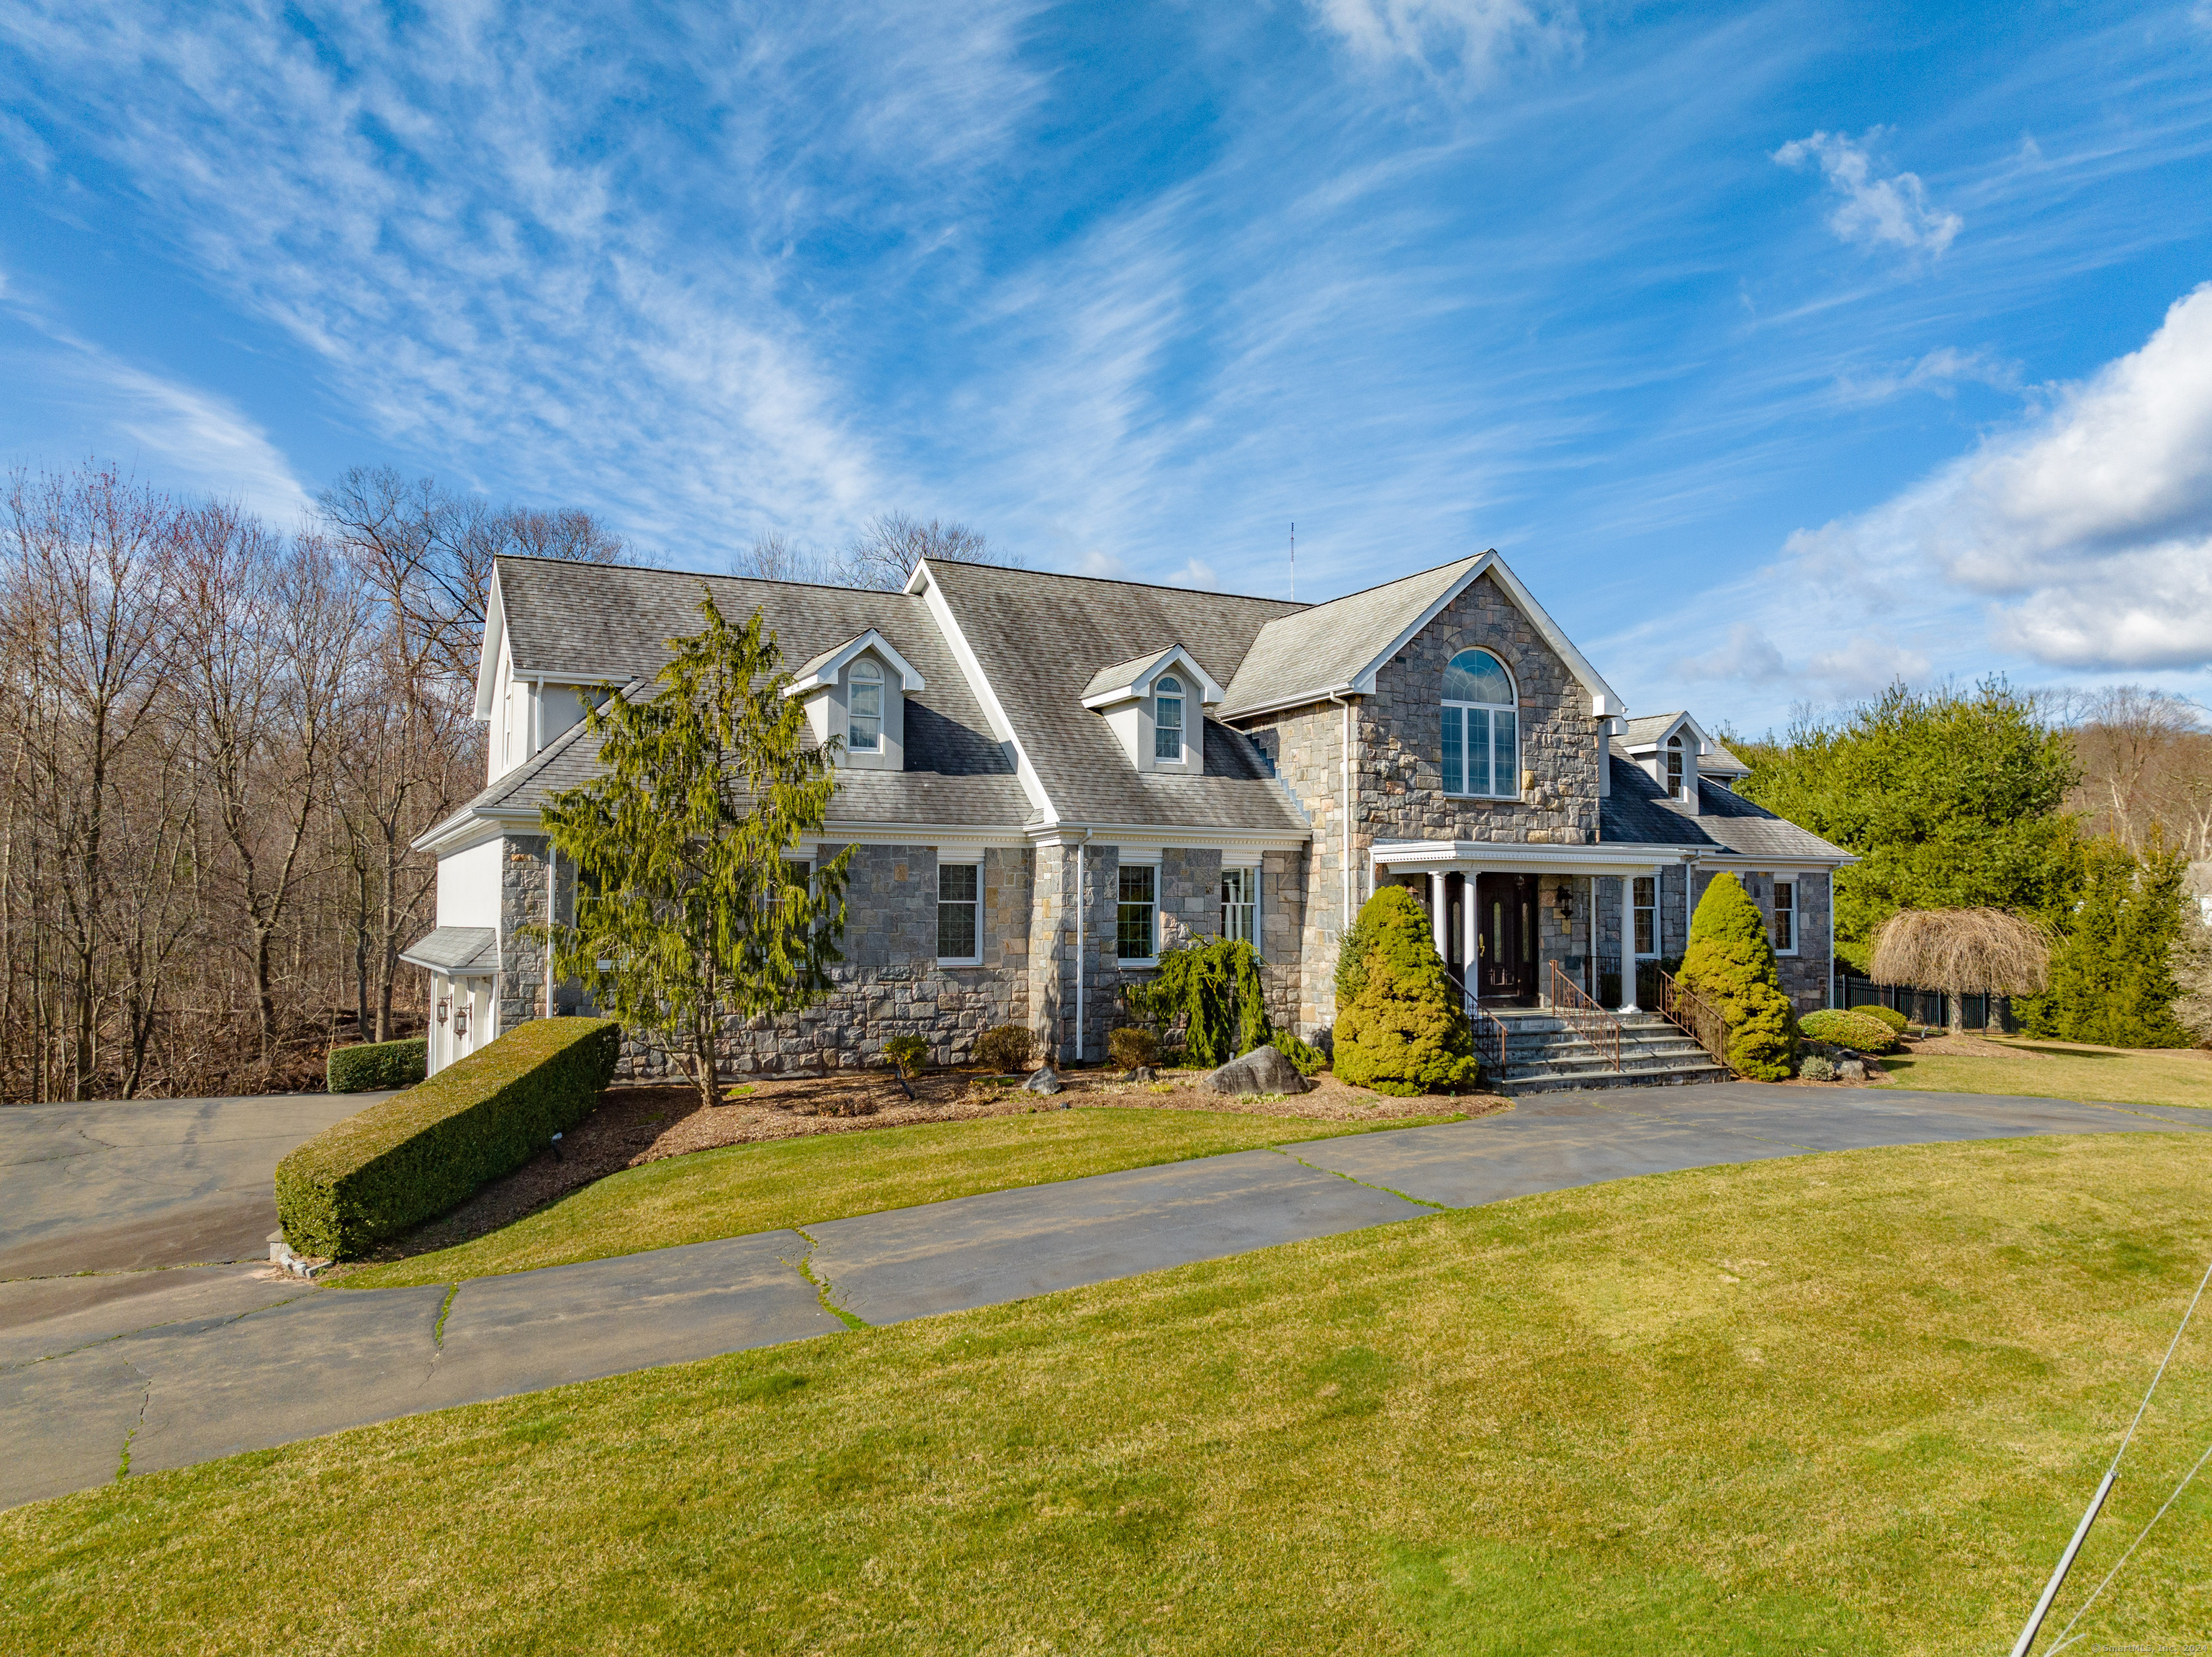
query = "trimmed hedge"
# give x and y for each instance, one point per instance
(412, 1157)
(370, 1065)
(1850, 1029)
(1896, 1021)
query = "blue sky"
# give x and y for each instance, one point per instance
(1781, 349)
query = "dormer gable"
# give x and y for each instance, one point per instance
(1155, 704)
(1668, 749)
(856, 691)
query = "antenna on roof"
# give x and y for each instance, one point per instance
(1294, 563)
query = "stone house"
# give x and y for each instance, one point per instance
(1051, 779)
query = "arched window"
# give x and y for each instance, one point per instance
(1674, 766)
(1167, 719)
(1482, 729)
(863, 719)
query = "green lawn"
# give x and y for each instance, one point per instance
(795, 1182)
(1850, 1402)
(2063, 1069)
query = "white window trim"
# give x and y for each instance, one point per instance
(1152, 959)
(1181, 759)
(881, 681)
(1796, 918)
(1251, 873)
(1658, 907)
(976, 863)
(1512, 707)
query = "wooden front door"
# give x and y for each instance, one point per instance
(1505, 941)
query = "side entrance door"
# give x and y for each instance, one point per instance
(1506, 938)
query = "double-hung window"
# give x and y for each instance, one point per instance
(1167, 719)
(1136, 917)
(1646, 907)
(1240, 904)
(863, 717)
(1675, 767)
(959, 914)
(1481, 728)
(1785, 918)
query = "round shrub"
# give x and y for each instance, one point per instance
(1813, 1067)
(1730, 962)
(1896, 1021)
(910, 1053)
(1131, 1045)
(1849, 1029)
(1006, 1047)
(1404, 1032)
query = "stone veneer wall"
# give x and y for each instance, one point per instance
(1398, 759)
(1804, 975)
(1052, 953)
(522, 903)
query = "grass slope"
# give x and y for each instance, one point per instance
(2060, 1070)
(1850, 1402)
(793, 1182)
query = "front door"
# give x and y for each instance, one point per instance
(1505, 941)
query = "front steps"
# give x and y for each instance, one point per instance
(1543, 1055)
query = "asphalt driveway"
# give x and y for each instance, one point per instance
(192, 1363)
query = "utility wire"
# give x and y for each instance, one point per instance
(2062, 1642)
(2057, 1577)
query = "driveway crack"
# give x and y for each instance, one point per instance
(804, 1265)
(1367, 1184)
(145, 1402)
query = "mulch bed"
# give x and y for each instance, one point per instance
(637, 1123)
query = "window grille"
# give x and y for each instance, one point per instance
(1167, 719)
(959, 931)
(1137, 914)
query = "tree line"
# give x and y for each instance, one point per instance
(222, 736)
(2079, 813)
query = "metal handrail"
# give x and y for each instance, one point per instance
(1487, 1026)
(1697, 1017)
(1575, 1009)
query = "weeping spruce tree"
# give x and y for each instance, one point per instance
(685, 913)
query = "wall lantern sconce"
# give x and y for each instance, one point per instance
(460, 1020)
(1565, 903)
(444, 1006)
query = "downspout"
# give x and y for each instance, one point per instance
(1344, 810)
(552, 917)
(1080, 846)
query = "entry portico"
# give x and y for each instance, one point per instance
(1533, 905)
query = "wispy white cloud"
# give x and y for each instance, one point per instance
(1894, 210)
(1941, 371)
(1462, 41)
(2089, 530)
(1195, 572)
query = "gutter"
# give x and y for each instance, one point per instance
(1344, 807)
(1080, 847)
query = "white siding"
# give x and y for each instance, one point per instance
(468, 886)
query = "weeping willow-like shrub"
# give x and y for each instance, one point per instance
(1213, 991)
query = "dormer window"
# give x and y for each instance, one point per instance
(864, 720)
(1674, 766)
(1167, 719)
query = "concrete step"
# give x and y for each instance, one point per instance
(1545, 1054)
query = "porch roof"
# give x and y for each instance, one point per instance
(1505, 856)
(462, 951)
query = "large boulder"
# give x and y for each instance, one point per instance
(1042, 1080)
(1262, 1070)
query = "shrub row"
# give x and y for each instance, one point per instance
(373, 1065)
(1850, 1029)
(417, 1154)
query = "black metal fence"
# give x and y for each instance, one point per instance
(1929, 1007)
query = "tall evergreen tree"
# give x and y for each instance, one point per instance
(686, 912)
(1950, 800)
(1729, 961)
(2112, 979)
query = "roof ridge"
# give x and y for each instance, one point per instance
(700, 574)
(1116, 581)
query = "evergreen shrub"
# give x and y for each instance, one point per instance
(1005, 1048)
(1898, 1023)
(415, 1156)
(1848, 1029)
(1813, 1067)
(1131, 1045)
(371, 1065)
(2111, 978)
(1730, 962)
(1404, 1032)
(1213, 990)
(910, 1053)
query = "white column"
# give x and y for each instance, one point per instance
(1471, 935)
(1440, 912)
(1628, 944)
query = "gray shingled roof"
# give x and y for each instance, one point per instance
(594, 621)
(1717, 761)
(1041, 638)
(1635, 733)
(1317, 649)
(1114, 678)
(1638, 812)
(469, 949)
